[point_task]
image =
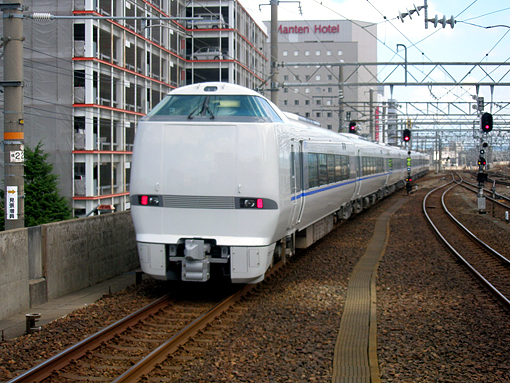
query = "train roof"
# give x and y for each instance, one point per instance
(297, 117)
(208, 88)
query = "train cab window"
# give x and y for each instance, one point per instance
(237, 108)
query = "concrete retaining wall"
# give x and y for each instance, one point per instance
(55, 259)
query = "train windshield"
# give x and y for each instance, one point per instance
(235, 108)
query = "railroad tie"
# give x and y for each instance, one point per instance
(355, 359)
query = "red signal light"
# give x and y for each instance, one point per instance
(352, 127)
(406, 135)
(486, 122)
(144, 200)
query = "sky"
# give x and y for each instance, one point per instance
(469, 40)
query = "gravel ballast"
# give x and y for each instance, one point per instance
(435, 324)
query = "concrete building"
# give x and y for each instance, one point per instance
(319, 90)
(87, 81)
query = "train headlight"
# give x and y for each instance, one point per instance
(251, 203)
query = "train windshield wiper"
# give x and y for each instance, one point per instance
(210, 111)
(190, 116)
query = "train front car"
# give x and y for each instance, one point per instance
(205, 185)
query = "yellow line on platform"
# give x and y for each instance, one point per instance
(355, 358)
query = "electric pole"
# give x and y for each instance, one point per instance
(274, 52)
(13, 115)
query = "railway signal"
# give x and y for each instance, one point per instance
(406, 135)
(352, 127)
(486, 122)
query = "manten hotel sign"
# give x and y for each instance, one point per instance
(318, 28)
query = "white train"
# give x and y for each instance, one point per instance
(223, 183)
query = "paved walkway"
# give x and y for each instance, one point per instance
(15, 326)
(355, 359)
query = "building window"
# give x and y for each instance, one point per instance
(318, 90)
(296, 53)
(318, 77)
(307, 53)
(330, 77)
(330, 90)
(285, 90)
(318, 102)
(318, 114)
(307, 77)
(285, 102)
(307, 102)
(328, 53)
(330, 127)
(317, 53)
(340, 53)
(307, 90)
(286, 77)
(330, 114)
(307, 115)
(296, 77)
(296, 102)
(328, 102)
(296, 90)
(285, 53)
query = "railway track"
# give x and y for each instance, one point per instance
(489, 266)
(489, 194)
(132, 347)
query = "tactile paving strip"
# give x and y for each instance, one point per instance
(355, 359)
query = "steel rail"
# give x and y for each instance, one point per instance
(484, 281)
(57, 362)
(470, 234)
(486, 191)
(147, 364)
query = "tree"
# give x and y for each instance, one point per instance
(43, 204)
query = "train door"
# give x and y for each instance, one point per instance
(359, 173)
(296, 183)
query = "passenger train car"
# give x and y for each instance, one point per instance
(223, 183)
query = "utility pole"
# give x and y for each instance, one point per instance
(371, 107)
(13, 115)
(340, 98)
(274, 51)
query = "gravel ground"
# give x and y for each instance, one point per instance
(435, 323)
(24, 352)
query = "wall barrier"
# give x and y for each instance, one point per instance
(52, 260)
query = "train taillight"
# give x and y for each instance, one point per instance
(149, 200)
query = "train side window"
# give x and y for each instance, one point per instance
(323, 169)
(331, 168)
(346, 169)
(338, 168)
(313, 172)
